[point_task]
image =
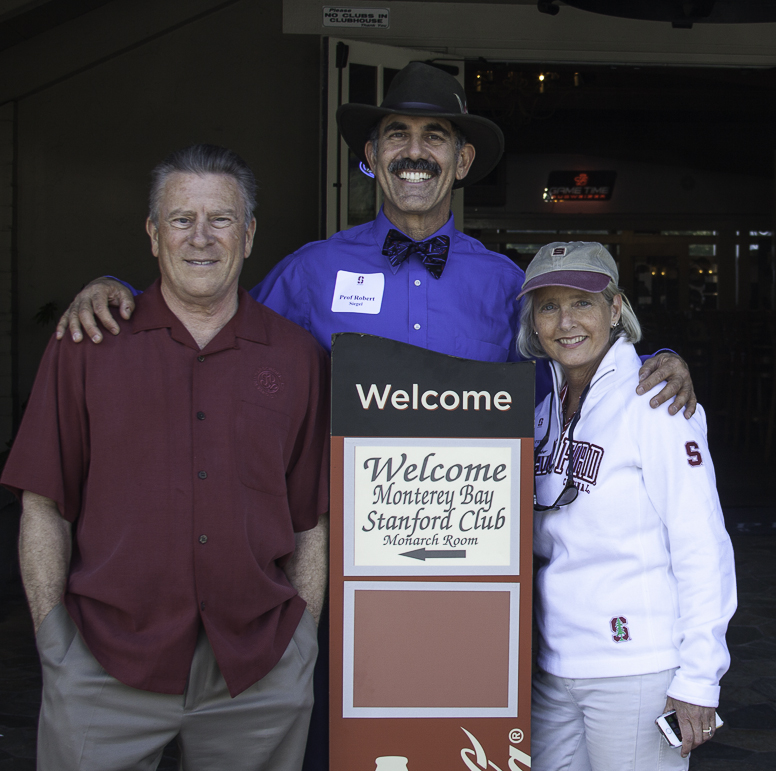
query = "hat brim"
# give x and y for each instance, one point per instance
(355, 122)
(587, 281)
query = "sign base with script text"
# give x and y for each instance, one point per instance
(431, 566)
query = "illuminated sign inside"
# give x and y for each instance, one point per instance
(579, 186)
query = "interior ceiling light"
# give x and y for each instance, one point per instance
(683, 13)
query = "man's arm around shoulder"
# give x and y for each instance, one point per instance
(669, 367)
(91, 304)
(44, 554)
(285, 290)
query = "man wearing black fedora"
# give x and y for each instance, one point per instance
(409, 274)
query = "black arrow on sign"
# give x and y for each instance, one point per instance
(422, 554)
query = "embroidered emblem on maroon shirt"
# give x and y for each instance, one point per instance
(268, 381)
(619, 625)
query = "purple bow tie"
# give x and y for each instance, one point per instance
(433, 253)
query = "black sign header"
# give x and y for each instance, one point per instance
(381, 387)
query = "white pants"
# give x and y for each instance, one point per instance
(601, 724)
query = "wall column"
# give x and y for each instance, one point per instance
(7, 273)
(726, 269)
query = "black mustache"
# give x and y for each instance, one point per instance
(407, 164)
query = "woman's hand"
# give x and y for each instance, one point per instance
(696, 723)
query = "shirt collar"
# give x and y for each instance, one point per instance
(382, 225)
(247, 323)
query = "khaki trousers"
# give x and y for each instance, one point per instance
(90, 721)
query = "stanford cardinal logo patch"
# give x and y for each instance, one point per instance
(620, 631)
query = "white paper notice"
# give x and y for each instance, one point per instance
(358, 292)
(365, 18)
(442, 506)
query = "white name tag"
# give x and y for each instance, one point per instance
(358, 292)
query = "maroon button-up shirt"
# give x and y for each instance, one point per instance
(186, 473)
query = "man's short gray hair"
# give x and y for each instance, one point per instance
(203, 159)
(528, 343)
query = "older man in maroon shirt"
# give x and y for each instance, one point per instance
(189, 459)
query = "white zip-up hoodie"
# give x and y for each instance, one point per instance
(637, 573)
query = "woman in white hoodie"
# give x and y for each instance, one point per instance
(636, 583)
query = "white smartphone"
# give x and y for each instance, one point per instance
(669, 727)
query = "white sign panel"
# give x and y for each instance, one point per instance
(358, 292)
(365, 18)
(431, 506)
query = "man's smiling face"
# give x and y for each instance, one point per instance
(201, 238)
(416, 164)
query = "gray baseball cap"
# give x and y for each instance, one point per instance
(582, 265)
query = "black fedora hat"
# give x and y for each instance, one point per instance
(420, 89)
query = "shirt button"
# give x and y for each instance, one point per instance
(200, 358)
(202, 605)
(417, 282)
(202, 475)
(203, 539)
(200, 416)
(417, 326)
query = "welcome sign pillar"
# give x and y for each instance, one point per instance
(431, 559)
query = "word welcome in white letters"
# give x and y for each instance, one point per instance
(432, 400)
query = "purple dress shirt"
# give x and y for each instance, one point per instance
(470, 311)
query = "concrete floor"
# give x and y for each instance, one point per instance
(748, 704)
(748, 700)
